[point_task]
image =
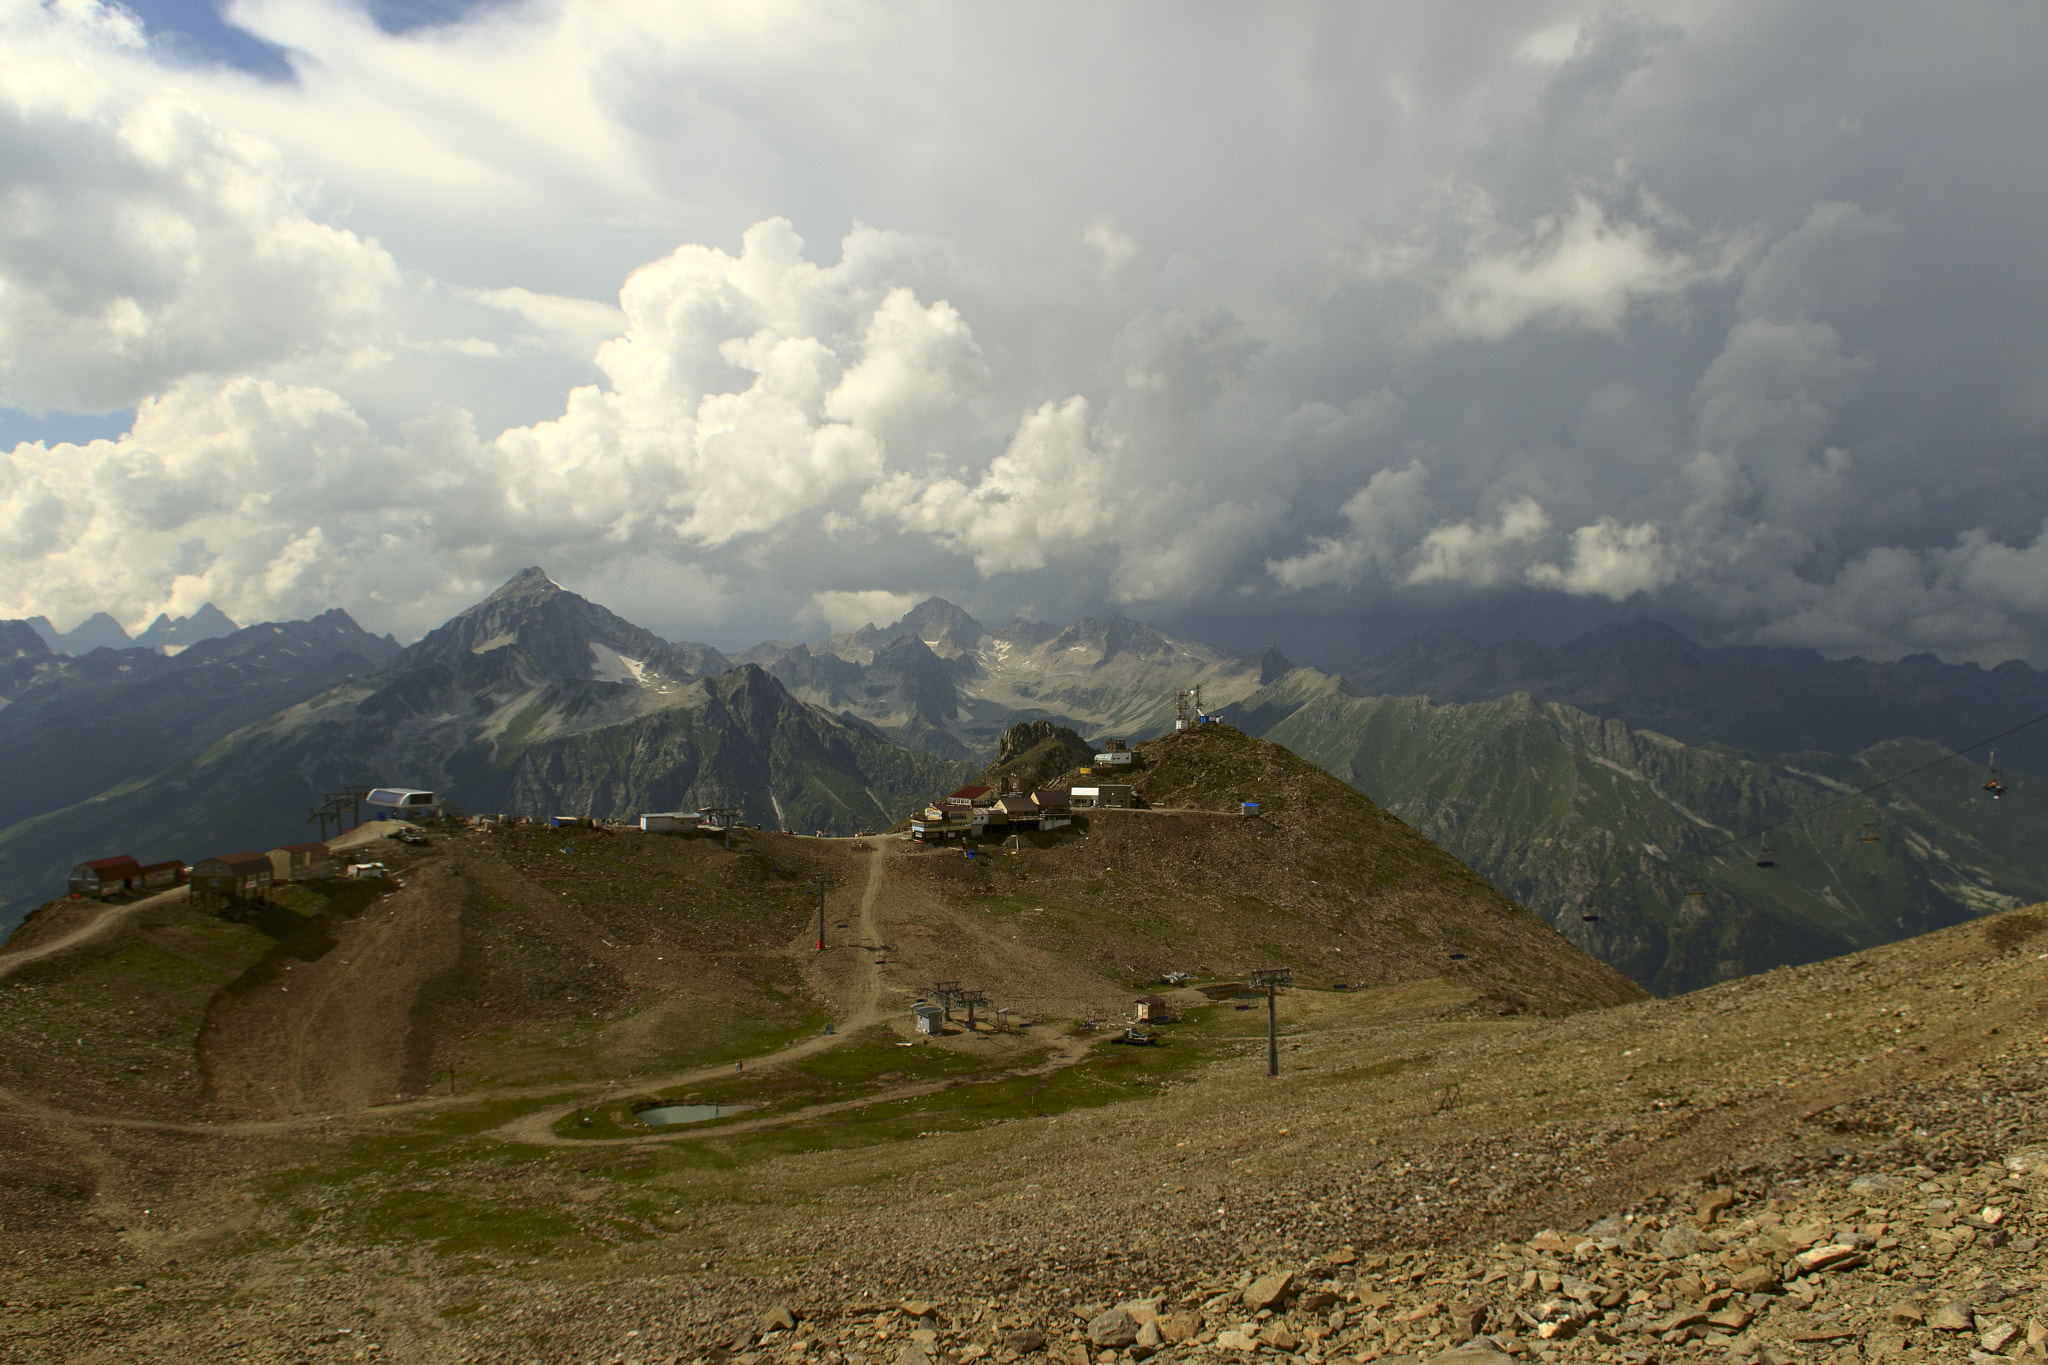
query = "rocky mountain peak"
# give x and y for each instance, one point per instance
(208, 623)
(532, 582)
(19, 640)
(947, 629)
(98, 631)
(1272, 665)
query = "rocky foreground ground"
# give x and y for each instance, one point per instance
(1838, 1163)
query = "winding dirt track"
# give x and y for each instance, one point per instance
(535, 1129)
(109, 919)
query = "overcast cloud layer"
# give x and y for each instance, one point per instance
(765, 318)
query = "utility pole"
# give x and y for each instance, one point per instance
(821, 882)
(1272, 978)
(946, 990)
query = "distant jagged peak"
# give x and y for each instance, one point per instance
(1027, 633)
(98, 631)
(1272, 664)
(947, 629)
(1117, 635)
(562, 636)
(530, 582)
(207, 623)
(21, 640)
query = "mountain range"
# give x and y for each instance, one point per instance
(1769, 700)
(534, 700)
(1627, 837)
(166, 633)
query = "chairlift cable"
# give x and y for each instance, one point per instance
(1875, 786)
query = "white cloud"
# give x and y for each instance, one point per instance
(366, 311)
(840, 612)
(1117, 248)
(1574, 271)
(916, 363)
(1482, 556)
(1611, 560)
(1384, 516)
(1050, 492)
(581, 324)
(141, 242)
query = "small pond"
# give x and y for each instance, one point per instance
(667, 1114)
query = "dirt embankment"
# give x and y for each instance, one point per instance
(326, 1020)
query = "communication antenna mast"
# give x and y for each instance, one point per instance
(1187, 708)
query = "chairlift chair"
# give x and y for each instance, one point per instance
(1872, 832)
(1993, 783)
(1765, 857)
(1696, 892)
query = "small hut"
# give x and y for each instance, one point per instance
(930, 1019)
(234, 875)
(104, 877)
(300, 862)
(1152, 1010)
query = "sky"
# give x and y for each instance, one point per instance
(769, 319)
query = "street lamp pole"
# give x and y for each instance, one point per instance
(1273, 978)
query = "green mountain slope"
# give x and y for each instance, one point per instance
(1606, 831)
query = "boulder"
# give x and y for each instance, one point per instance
(1678, 1241)
(1954, 1317)
(1267, 1290)
(1280, 1337)
(1758, 1279)
(1113, 1330)
(780, 1318)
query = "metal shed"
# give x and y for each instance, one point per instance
(105, 876)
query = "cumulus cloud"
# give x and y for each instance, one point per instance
(1578, 270)
(1482, 555)
(1671, 303)
(141, 241)
(1049, 493)
(840, 612)
(1384, 517)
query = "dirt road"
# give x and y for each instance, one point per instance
(538, 1128)
(105, 922)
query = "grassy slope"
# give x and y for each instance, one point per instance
(1576, 816)
(1323, 881)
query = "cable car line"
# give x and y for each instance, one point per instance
(1875, 786)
